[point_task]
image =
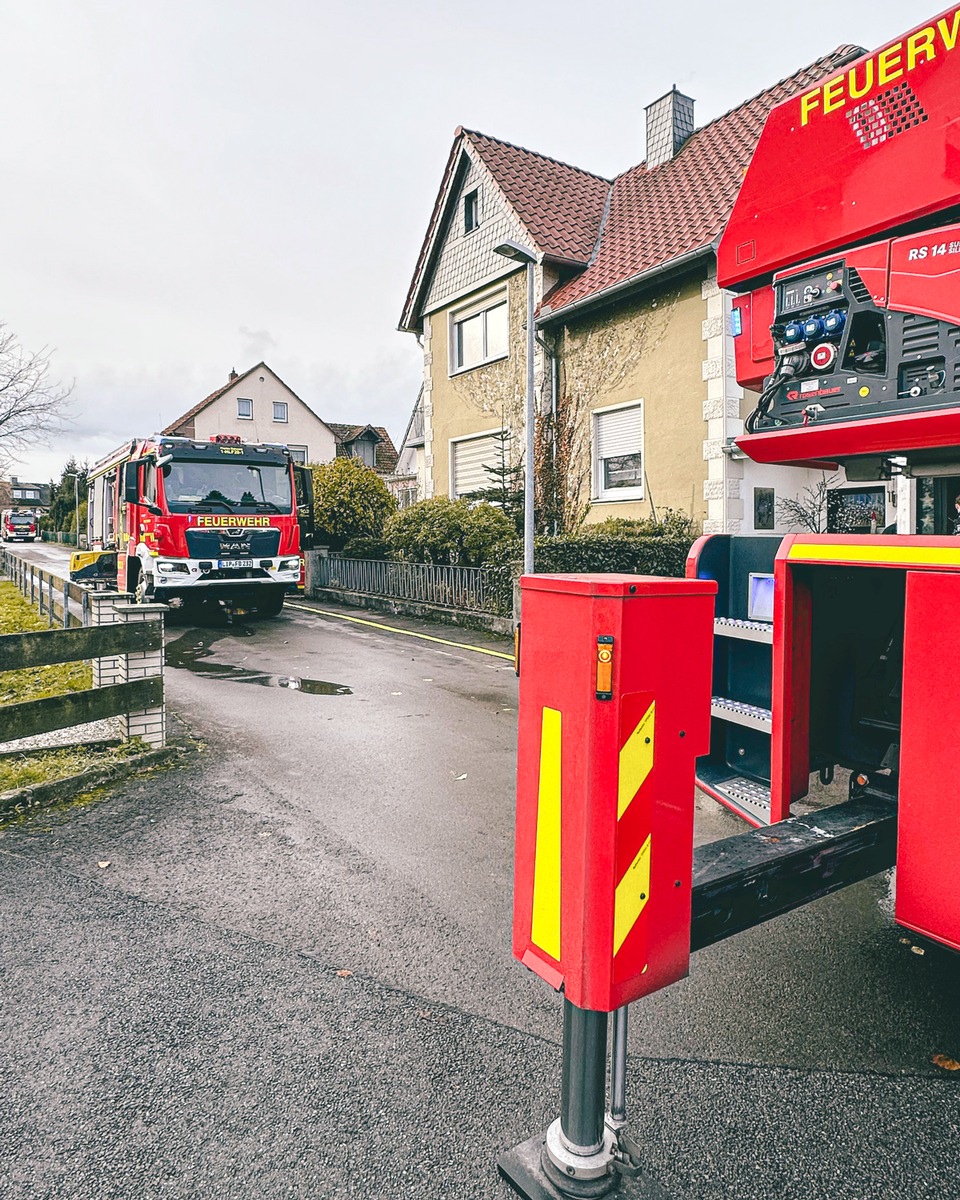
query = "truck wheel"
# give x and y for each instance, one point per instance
(271, 604)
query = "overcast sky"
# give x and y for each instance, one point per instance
(197, 185)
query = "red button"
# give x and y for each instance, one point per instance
(823, 356)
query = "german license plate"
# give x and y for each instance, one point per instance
(227, 563)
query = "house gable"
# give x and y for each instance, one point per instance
(276, 414)
(465, 258)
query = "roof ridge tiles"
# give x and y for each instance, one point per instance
(476, 133)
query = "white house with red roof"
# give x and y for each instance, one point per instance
(638, 403)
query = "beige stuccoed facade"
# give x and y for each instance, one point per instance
(479, 400)
(646, 350)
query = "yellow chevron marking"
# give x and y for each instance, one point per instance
(899, 556)
(633, 891)
(636, 761)
(545, 931)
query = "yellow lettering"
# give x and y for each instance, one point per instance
(833, 96)
(888, 60)
(949, 34)
(807, 102)
(921, 42)
(857, 92)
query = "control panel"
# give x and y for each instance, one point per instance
(870, 334)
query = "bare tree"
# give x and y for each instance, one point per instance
(32, 405)
(812, 511)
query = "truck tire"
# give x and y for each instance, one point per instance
(271, 604)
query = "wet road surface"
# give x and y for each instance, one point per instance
(293, 978)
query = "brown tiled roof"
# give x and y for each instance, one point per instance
(681, 206)
(386, 453)
(560, 205)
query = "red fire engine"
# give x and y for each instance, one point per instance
(180, 521)
(18, 525)
(828, 651)
(837, 650)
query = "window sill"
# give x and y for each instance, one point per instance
(474, 366)
(620, 499)
(239, 418)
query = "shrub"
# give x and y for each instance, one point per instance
(366, 547)
(350, 500)
(605, 553)
(448, 531)
(669, 524)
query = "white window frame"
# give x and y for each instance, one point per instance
(467, 437)
(475, 193)
(244, 416)
(603, 495)
(294, 450)
(479, 304)
(284, 419)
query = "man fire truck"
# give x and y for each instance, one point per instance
(180, 521)
(19, 526)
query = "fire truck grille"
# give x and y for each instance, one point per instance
(921, 335)
(886, 114)
(233, 543)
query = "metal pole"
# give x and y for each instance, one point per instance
(531, 416)
(584, 1079)
(76, 509)
(618, 1071)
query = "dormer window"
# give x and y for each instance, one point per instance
(471, 210)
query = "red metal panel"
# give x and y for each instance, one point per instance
(602, 900)
(790, 702)
(925, 274)
(839, 164)
(753, 345)
(928, 846)
(883, 435)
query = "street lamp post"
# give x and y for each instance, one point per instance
(523, 254)
(76, 506)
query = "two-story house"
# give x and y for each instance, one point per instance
(637, 399)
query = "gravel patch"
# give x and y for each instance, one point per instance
(74, 735)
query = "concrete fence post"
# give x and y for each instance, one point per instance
(148, 723)
(102, 612)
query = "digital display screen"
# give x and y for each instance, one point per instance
(760, 598)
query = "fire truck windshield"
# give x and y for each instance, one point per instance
(227, 487)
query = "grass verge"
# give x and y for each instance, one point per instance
(34, 683)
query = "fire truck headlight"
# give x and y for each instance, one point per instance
(290, 564)
(170, 568)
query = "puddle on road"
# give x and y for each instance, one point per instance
(192, 649)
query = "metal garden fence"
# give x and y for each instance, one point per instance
(468, 589)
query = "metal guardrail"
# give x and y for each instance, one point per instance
(468, 589)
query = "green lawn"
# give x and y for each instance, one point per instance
(43, 766)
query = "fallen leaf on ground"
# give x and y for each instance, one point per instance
(948, 1064)
(918, 949)
(396, 693)
(457, 778)
(105, 863)
(344, 974)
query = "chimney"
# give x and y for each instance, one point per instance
(233, 375)
(669, 124)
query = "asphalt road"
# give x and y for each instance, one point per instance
(293, 976)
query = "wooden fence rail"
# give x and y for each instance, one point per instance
(48, 591)
(43, 649)
(76, 708)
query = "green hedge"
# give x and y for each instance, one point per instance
(582, 552)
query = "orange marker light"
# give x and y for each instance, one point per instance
(604, 668)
